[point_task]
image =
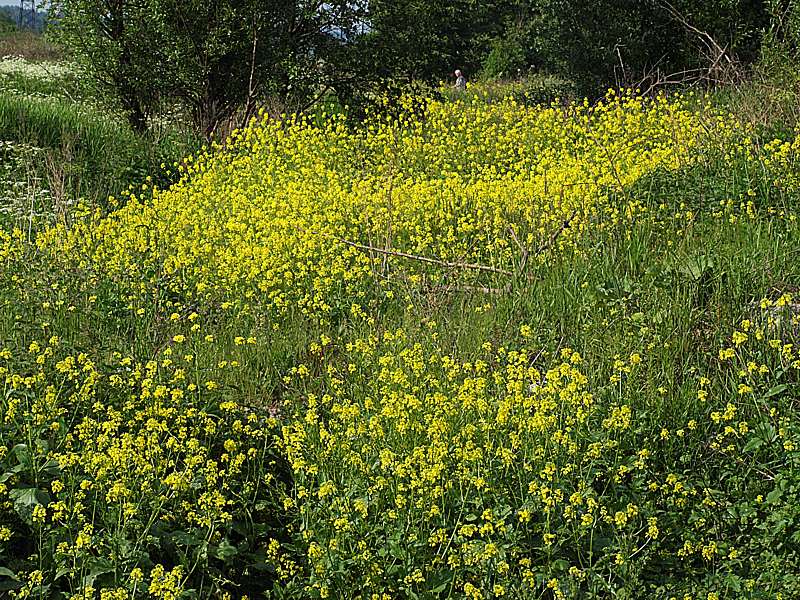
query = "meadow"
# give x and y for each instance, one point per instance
(464, 349)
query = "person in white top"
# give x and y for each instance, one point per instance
(461, 81)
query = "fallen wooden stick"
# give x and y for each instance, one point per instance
(463, 265)
(425, 259)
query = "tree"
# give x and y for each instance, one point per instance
(216, 57)
(427, 39)
(213, 57)
(117, 42)
(613, 42)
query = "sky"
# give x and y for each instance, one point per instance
(12, 3)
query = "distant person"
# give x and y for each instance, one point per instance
(461, 81)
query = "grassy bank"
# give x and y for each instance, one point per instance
(82, 153)
(63, 143)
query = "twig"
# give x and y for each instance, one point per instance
(389, 209)
(449, 286)
(464, 265)
(555, 235)
(251, 88)
(610, 160)
(714, 52)
(623, 75)
(473, 288)
(325, 89)
(523, 249)
(425, 259)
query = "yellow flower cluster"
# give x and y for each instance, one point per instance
(400, 466)
(480, 468)
(291, 214)
(116, 453)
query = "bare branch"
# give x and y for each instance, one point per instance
(251, 89)
(556, 234)
(525, 253)
(425, 259)
(722, 64)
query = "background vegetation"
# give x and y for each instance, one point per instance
(291, 55)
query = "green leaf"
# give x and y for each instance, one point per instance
(8, 573)
(225, 551)
(560, 565)
(25, 496)
(22, 453)
(440, 588)
(25, 499)
(775, 390)
(753, 444)
(734, 582)
(97, 567)
(52, 468)
(695, 267)
(397, 551)
(774, 496)
(183, 538)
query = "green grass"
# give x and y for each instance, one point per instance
(86, 153)
(79, 145)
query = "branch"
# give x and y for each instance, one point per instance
(325, 89)
(556, 234)
(525, 254)
(250, 87)
(715, 53)
(522, 248)
(473, 288)
(425, 259)
(463, 265)
(709, 41)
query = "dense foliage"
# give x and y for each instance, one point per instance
(211, 58)
(220, 59)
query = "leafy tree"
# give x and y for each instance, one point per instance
(596, 42)
(607, 42)
(119, 44)
(217, 57)
(211, 56)
(426, 39)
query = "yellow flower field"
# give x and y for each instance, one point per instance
(268, 219)
(472, 350)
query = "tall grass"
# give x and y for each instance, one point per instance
(29, 45)
(99, 156)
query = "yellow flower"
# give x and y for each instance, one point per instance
(39, 513)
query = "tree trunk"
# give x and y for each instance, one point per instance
(137, 119)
